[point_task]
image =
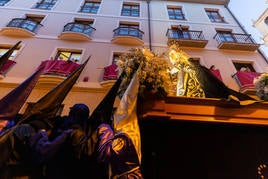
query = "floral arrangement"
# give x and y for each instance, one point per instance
(261, 86)
(153, 70)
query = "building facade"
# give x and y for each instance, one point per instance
(261, 25)
(196, 138)
(76, 30)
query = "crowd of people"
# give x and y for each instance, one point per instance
(62, 148)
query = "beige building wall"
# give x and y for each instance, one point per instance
(45, 42)
(261, 24)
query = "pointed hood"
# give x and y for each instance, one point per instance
(5, 57)
(48, 105)
(11, 104)
(103, 112)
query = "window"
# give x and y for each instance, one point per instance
(180, 32)
(30, 23)
(175, 13)
(72, 55)
(214, 15)
(3, 2)
(45, 4)
(90, 7)
(131, 10)
(226, 36)
(129, 29)
(81, 26)
(240, 66)
(3, 50)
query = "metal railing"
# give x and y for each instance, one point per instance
(79, 28)
(234, 38)
(185, 34)
(128, 31)
(27, 24)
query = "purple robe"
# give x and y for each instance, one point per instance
(118, 151)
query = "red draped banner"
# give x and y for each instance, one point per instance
(110, 72)
(246, 79)
(59, 67)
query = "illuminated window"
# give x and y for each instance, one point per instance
(3, 50)
(71, 55)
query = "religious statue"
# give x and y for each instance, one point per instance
(183, 74)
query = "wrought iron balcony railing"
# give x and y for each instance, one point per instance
(128, 31)
(187, 37)
(27, 24)
(79, 28)
(235, 41)
(185, 34)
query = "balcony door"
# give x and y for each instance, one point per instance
(180, 32)
(226, 36)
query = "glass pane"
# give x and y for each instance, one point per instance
(90, 7)
(4, 50)
(126, 7)
(135, 13)
(75, 57)
(3, 2)
(77, 28)
(64, 55)
(15, 23)
(29, 25)
(123, 31)
(126, 12)
(133, 32)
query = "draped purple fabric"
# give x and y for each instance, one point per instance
(119, 151)
(14, 100)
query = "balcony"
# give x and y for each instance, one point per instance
(187, 38)
(231, 41)
(77, 31)
(20, 27)
(128, 36)
(245, 81)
